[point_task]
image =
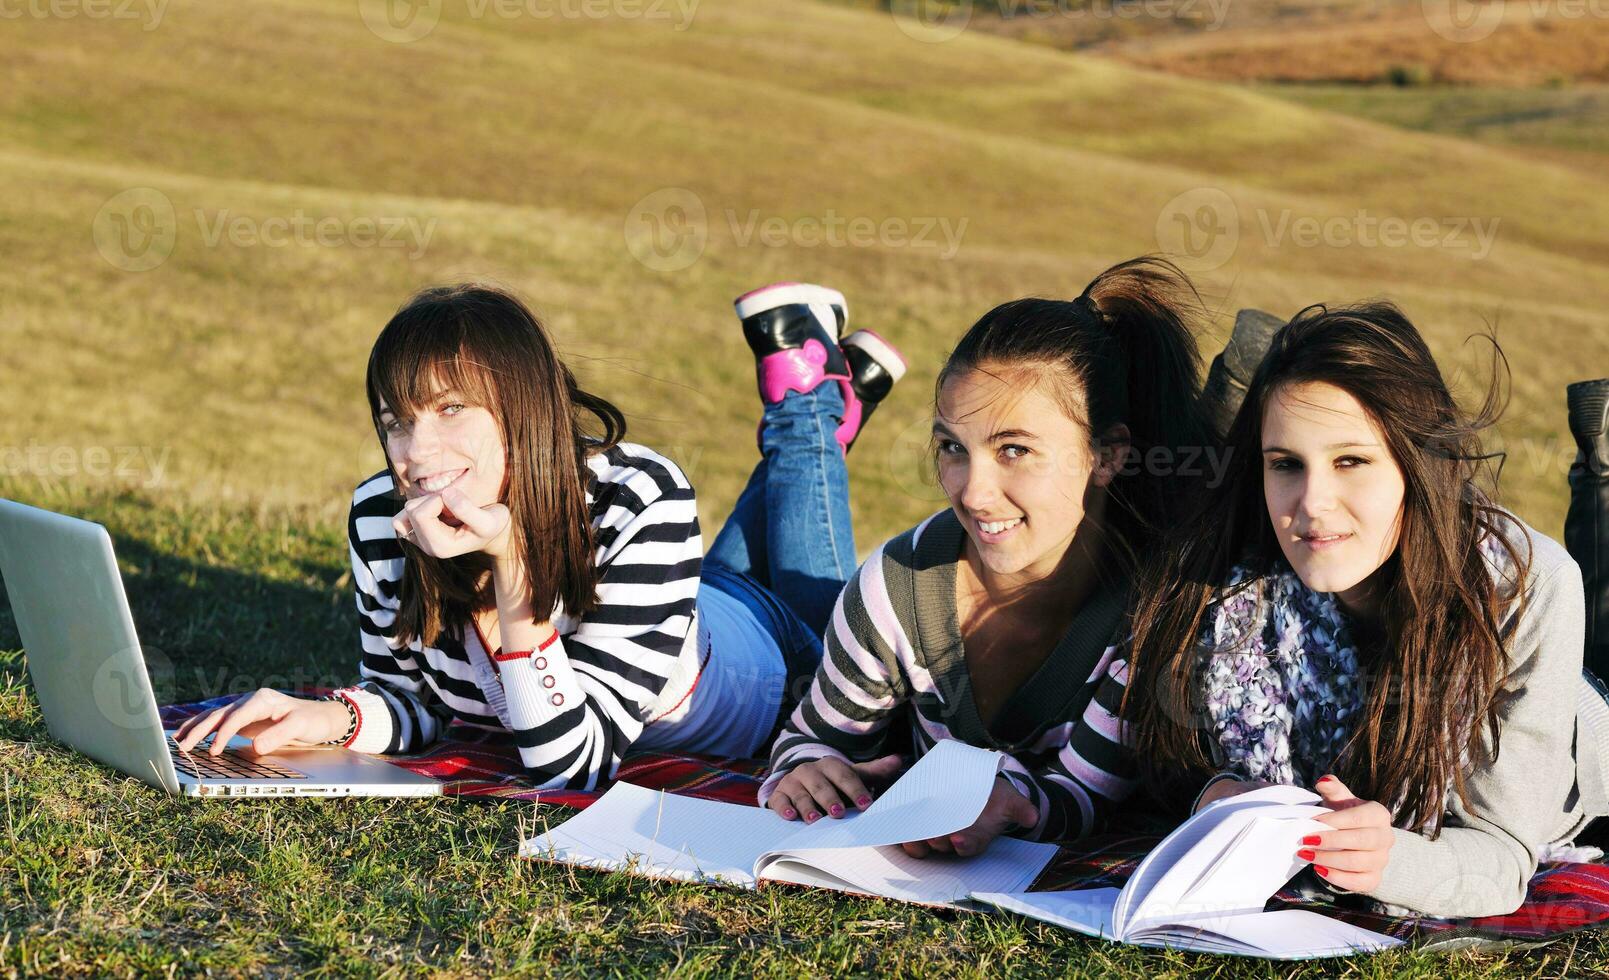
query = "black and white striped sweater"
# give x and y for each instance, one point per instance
(577, 705)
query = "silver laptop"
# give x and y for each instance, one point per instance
(89, 675)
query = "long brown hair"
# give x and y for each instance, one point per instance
(484, 343)
(1125, 352)
(1434, 672)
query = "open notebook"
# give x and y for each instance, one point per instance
(653, 833)
(1204, 887)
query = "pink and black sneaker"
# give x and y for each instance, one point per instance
(793, 329)
(875, 366)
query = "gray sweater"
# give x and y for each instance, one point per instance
(1549, 778)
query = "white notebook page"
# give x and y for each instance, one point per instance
(1088, 910)
(1008, 864)
(667, 835)
(681, 837)
(1281, 934)
(1173, 851)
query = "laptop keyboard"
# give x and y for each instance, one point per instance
(229, 765)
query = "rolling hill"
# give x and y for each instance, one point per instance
(631, 174)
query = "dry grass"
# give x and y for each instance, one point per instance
(1512, 43)
(524, 144)
(1530, 44)
(223, 384)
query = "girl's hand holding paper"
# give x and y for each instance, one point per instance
(1006, 811)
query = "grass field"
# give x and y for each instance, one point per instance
(207, 222)
(1560, 125)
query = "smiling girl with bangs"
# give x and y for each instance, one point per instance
(519, 567)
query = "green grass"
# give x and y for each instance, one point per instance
(103, 875)
(209, 410)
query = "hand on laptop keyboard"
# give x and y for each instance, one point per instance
(271, 719)
(229, 764)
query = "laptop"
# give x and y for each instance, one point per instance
(89, 675)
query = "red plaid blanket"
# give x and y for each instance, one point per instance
(1563, 898)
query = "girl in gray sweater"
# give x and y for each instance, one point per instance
(1353, 614)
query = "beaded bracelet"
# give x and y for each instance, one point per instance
(352, 721)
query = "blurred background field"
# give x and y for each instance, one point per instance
(210, 210)
(586, 161)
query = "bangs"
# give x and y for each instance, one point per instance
(420, 355)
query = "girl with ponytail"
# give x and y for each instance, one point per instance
(1001, 621)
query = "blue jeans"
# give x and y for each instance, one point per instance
(788, 547)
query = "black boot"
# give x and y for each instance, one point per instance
(1586, 526)
(1231, 371)
(793, 329)
(875, 366)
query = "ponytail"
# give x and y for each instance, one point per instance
(1145, 303)
(1126, 346)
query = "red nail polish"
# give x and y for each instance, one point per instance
(812, 815)
(790, 814)
(1325, 779)
(863, 802)
(836, 810)
(1305, 855)
(1311, 839)
(1322, 870)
